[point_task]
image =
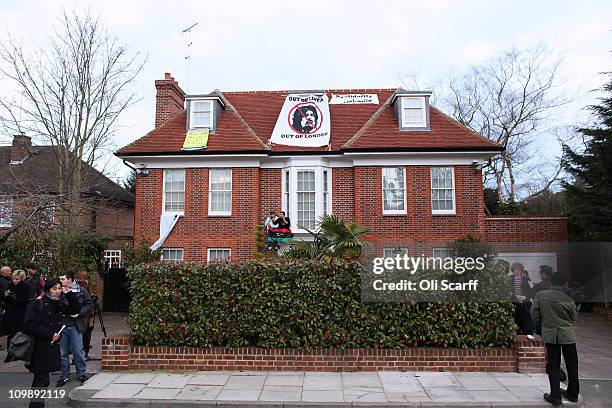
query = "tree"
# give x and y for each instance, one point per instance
(589, 194)
(334, 239)
(508, 99)
(70, 94)
(130, 182)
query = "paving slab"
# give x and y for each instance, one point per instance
(199, 392)
(310, 390)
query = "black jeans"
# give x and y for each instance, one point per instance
(553, 354)
(522, 317)
(41, 381)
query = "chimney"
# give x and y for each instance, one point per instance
(170, 99)
(21, 148)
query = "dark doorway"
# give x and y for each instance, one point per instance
(116, 290)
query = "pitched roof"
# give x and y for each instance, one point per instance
(40, 172)
(247, 123)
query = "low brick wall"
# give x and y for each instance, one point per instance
(514, 228)
(603, 311)
(118, 354)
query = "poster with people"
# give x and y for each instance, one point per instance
(303, 121)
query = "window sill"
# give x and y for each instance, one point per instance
(453, 214)
(219, 215)
(394, 214)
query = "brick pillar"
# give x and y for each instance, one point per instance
(21, 147)
(530, 354)
(115, 352)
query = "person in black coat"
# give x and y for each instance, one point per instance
(43, 321)
(15, 302)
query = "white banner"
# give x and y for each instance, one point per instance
(303, 121)
(354, 99)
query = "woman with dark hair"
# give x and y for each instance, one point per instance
(43, 321)
(15, 302)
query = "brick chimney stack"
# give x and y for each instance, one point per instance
(170, 99)
(21, 148)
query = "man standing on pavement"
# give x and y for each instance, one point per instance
(556, 312)
(77, 302)
(35, 281)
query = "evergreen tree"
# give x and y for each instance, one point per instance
(130, 182)
(589, 195)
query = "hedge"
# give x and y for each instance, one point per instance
(296, 304)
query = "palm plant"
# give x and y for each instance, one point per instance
(334, 239)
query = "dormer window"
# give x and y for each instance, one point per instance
(201, 114)
(412, 110)
(204, 112)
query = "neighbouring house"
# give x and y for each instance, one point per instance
(30, 176)
(391, 161)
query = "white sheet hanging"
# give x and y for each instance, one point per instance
(166, 223)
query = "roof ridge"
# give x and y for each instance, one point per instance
(282, 91)
(242, 121)
(368, 122)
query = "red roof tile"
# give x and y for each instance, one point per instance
(247, 124)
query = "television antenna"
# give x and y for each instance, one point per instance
(188, 53)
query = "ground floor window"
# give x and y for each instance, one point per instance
(112, 258)
(218, 254)
(443, 253)
(172, 255)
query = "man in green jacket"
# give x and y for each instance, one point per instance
(556, 312)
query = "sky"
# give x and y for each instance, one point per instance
(265, 45)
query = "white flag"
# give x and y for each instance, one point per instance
(303, 121)
(354, 99)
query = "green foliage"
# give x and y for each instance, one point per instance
(141, 253)
(590, 193)
(296, 303)
(55, 252)
(334, 239)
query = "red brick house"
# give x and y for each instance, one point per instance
(400, 166)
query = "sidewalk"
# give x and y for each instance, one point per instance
(312, 389)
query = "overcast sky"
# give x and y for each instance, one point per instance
(247, 45)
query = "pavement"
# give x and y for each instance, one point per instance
(277, 389)
(312, 389)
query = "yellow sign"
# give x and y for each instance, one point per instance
(196, 140)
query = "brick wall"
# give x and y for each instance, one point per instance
(118, 354)
(196, 231)
(419, 225)
(270, 190)
(525, 229)
(343, 193)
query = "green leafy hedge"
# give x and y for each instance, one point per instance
(296, 303)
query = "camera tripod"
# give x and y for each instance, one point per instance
(96, 312)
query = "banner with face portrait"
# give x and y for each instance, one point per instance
(303, 121)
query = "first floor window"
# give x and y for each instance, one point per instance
(6, 211)
(174, 191)
(220, 192)
(112, 258)
(306, 194)
(218, 254)
(442, 190)
(172, 255)
(394, 190)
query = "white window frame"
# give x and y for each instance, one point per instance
(110, 255)
(210, 192)
(402, 251)
(289, 201)
(192, 105)
(164, 192)
(382, 191)
(178, 250)
(453, 211)
(423, 123)
(229, 256)
(6, 207)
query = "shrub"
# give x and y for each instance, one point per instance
(295, 303)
